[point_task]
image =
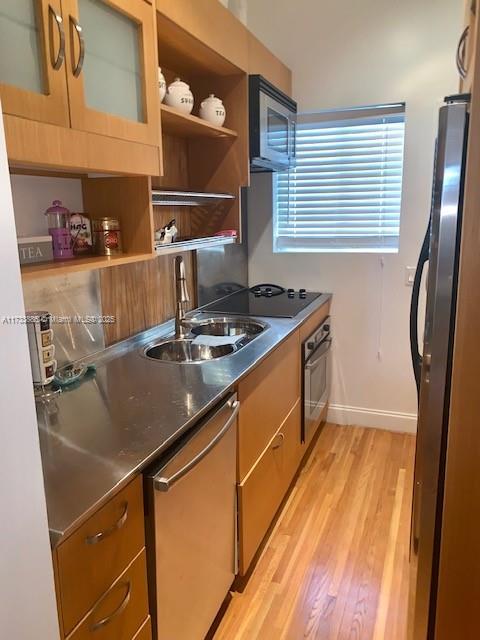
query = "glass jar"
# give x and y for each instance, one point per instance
(59, 228)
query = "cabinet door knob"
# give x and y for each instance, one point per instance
(58, 58)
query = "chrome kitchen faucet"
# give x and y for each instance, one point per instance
(182, 297)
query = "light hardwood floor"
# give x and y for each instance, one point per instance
(335, 566)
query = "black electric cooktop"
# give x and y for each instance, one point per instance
(267, 300)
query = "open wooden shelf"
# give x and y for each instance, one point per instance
(62, 267)
(184, 31)
(188, 126)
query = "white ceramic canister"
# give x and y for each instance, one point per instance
(212, 109)
(162, 85)
(179, 96)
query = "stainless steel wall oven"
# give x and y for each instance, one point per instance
(316, 378)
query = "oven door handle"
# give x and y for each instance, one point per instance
(311, 364)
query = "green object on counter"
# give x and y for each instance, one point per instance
(72, 373)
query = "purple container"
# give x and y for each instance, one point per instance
(59, 229)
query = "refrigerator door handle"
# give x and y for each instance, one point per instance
(415, 353)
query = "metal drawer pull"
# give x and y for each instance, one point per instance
(78, 65)
(164, 484)
(461, 52)
(282, 438)
(56, 60)
(98, 537)
(101, 623)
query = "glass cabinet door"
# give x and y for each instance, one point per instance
(32, 53)
(112, 68)
(112, 73)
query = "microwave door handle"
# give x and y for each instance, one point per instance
(164, 484)
(313, 363)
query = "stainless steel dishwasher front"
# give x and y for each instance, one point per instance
(191, 527)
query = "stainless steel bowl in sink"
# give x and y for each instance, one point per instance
(228, 327)
(186, 351)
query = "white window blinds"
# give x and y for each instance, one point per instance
(344, 194)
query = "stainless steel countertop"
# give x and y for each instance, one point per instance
(99, 433)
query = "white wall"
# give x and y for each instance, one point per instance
(32, 195)
(358, 53)
(27, 598)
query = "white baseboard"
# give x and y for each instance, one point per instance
(389, 420)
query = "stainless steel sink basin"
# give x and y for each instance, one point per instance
(186, 351)
(228, 327)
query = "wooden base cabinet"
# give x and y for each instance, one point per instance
(266, 397)
(262, 491)
(121, 611)
(101, 574)
(269, 447)
(145, 631)
(269, 437)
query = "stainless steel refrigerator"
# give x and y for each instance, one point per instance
(432, 370)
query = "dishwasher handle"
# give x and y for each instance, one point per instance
(164, 484)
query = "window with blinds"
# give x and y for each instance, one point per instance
(344, 194)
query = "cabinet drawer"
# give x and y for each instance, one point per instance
(262, 491)
(266, 396)
(145, 631)
(97, 553)
(121, 610)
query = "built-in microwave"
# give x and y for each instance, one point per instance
(272, 126)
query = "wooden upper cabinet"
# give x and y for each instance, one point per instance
(209, 22)
(262, 61)
(32, 65)
(111, 62)
(88, 65)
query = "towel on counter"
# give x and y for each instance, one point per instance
(217, 341)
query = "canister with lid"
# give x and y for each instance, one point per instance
(107, 237)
